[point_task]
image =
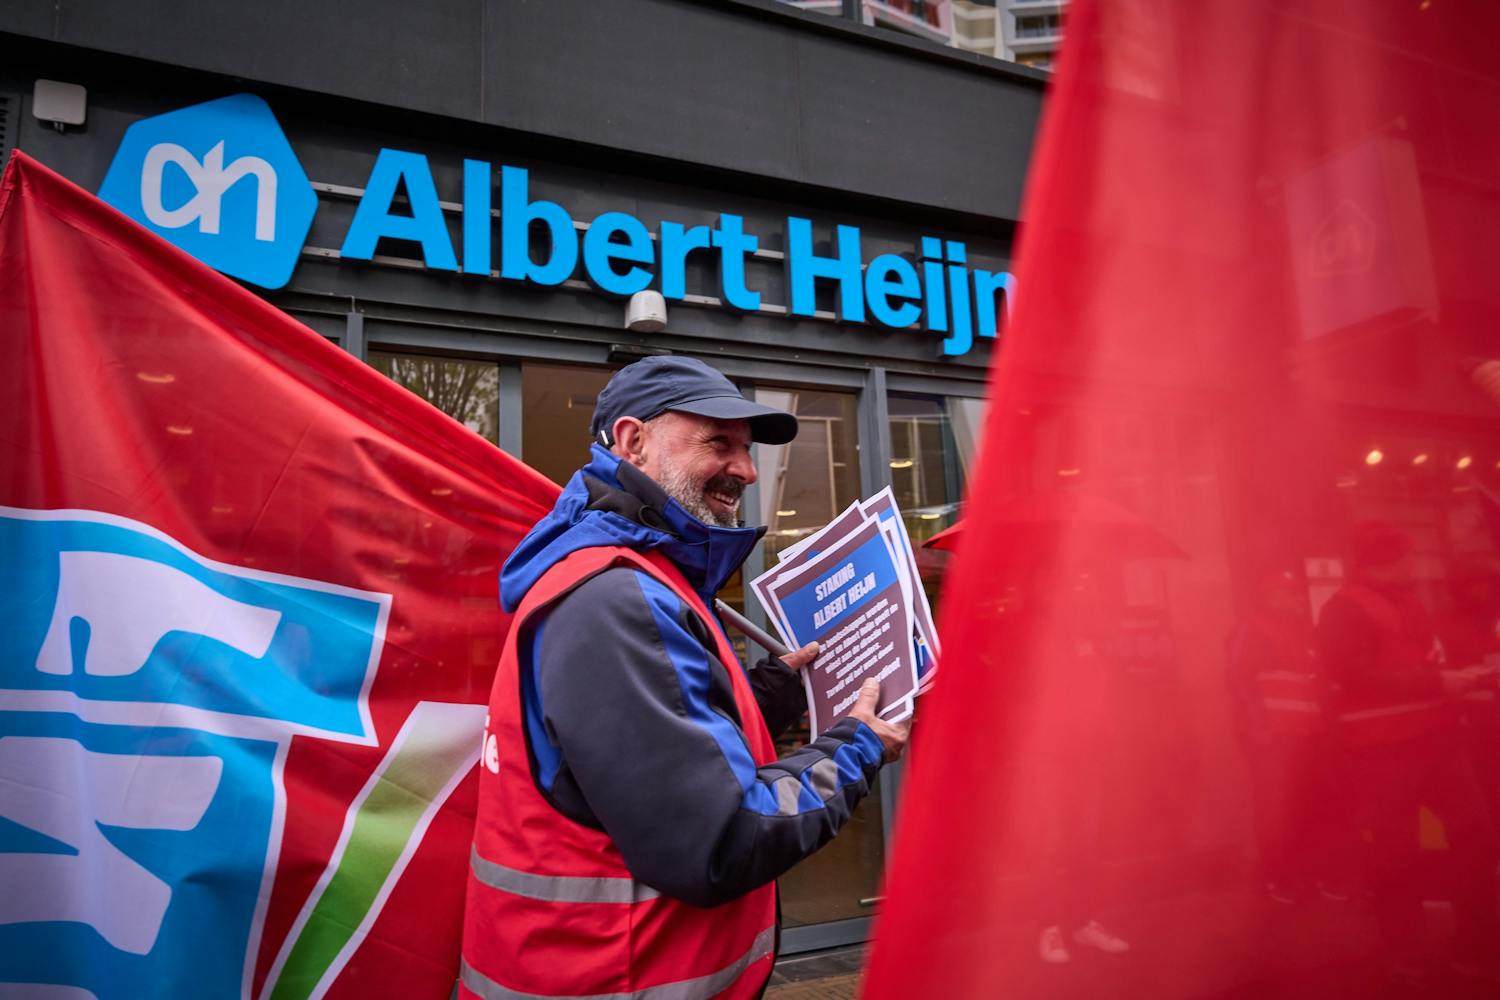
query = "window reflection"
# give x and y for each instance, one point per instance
(924, 465)
(933, 442)
(805, 483)
(833, 8)
(802, 486)
(557, 404)
(468, 391)
(1028, 32)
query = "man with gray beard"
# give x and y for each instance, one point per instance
(620, 710)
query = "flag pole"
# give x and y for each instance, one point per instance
(753, 632)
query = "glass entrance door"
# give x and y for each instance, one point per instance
(557, 403)
(803, 485)
(933, 442)
(468, 391)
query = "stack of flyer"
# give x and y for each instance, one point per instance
(853, 588)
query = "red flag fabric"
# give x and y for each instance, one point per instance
(251, 619)
(1258, 312)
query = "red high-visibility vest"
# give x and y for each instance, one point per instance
(1401, 647)
(552, 911)
(1290, 701)
(1288, 687)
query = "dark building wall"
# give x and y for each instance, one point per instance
(746, 86)
(765, 113)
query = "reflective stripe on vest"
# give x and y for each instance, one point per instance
(699, 988)
(1290, 700)
(559, 888)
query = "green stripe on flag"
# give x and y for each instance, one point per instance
(436, 745)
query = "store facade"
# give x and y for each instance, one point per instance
(826, 209)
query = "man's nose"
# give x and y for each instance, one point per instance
(742, 467)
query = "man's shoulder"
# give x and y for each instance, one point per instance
(625, 595)
(621, 591)
(622, 615)
(614, 586)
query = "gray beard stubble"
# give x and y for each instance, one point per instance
(681, 487)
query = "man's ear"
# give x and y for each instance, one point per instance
(630, 440)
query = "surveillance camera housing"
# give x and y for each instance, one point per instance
(646, 313)
(59, 103)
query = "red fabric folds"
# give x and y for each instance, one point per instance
(1257, 314)
(142, 389)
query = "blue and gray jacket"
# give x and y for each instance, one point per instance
(631, 724)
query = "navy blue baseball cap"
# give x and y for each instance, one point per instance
(652, 386)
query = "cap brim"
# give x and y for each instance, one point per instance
(767, 424)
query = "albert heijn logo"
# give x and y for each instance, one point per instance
(148, 700)
(220, 181)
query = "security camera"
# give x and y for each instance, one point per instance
(646, 313)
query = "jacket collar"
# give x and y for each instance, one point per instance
(707, 554)
(610, 503)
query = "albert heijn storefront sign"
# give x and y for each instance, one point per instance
(221, 181)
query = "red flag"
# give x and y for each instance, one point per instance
(1258, 313)
(250, 624)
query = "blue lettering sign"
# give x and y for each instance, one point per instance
(958, 298)
(477, 227)
(220, 181)
(891, 276)
(986, 285)
(676, 243)
(935, 315)
(734, 243)
(374, 219)
(517, 213)
(600, 251)
(803, 268)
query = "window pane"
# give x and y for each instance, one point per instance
(468, 391)
(986, 27)
(966, 418)
(933, 444)
(802, 486)
(833, 8)
(557, 403)
(927, 468)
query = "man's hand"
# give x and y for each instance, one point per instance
(893, 736)
(799, 658)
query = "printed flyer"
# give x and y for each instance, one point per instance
(852, 600)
